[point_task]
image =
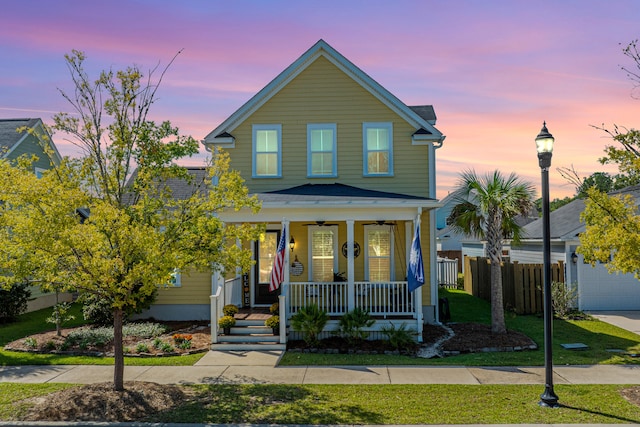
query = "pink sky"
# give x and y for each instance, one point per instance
(494, 70)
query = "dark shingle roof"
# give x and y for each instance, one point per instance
(426, 112)
(335, 191)
(563, 222)
(8, 135)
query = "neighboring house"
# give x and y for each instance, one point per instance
(597, 289)
(14, 144)
(349, 170)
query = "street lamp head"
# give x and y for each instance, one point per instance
(544, 145)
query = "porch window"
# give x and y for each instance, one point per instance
(321, 150)
(324, 247)
(378, 254)
(267, 151)
(378, 149)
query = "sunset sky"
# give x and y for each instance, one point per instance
(493, 70)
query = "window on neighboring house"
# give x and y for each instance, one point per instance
(324, 247)
(39, 172)
(267, 151)
(321, 150)
(175, 281)
(379, 244)
(378, 149)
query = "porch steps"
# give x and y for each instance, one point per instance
(249, 335)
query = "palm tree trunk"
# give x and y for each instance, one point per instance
(118, 368)
(494, 249)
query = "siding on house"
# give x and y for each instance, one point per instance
(324, 94)
(195, 289)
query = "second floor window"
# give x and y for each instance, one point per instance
(267, 151)
(321, 153)
(378, 149)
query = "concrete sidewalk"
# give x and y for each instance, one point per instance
(260, 367)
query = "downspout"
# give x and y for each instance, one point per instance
(433, 253)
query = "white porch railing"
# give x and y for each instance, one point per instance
(447, 272)
(378, 298)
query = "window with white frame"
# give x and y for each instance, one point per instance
(267, 151)
(323, 254)
(175, 280)
(378, 149)
(379, 247)
(321, 150)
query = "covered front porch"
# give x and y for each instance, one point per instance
(343, 251)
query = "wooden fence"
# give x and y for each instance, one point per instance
(521, 283)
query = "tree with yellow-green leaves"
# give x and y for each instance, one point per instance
(612, 221)
(137, 232)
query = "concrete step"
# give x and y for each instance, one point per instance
(255, 322)
(248, 346)
(249, 338)
(251, 330)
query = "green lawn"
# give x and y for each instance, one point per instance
(599, 336)
(375, 404)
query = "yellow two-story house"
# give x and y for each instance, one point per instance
(347, 170)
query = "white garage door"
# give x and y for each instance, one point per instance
(599, 290)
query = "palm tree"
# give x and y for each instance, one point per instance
(487, 208)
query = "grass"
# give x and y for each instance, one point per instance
(599, 336)
(375, 404)
(34, 322)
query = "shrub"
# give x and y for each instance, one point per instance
(563, 299)
(460, 281)
(399, 338)
(309, 320)
(226, 322)
(230, 310)
(166, 347)
(96, 310)
(31, 342)
(350, 326)
(272, 322)
(142, 348)
(182, 338)
(13, 302)
(143, 330)
(157, 343)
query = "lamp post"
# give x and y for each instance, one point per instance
(544, 145)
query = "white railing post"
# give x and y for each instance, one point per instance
(351, 293)
(214, 319)
(282, 312)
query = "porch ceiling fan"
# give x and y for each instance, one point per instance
(320, 224)
(380, 222)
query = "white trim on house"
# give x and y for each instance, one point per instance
(322, 48)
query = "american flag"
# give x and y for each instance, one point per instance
(277, 271)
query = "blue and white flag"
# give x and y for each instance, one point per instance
(415, 269)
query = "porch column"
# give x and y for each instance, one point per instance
(287, 263)
(351, 297)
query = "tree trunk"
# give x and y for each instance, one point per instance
(494, 249)
(118, 366)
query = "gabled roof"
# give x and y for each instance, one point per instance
(421, 117)
(10, 139)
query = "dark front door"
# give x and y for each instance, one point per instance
(265, 254)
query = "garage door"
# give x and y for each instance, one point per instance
(599, 290)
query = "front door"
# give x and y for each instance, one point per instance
(265, 254)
